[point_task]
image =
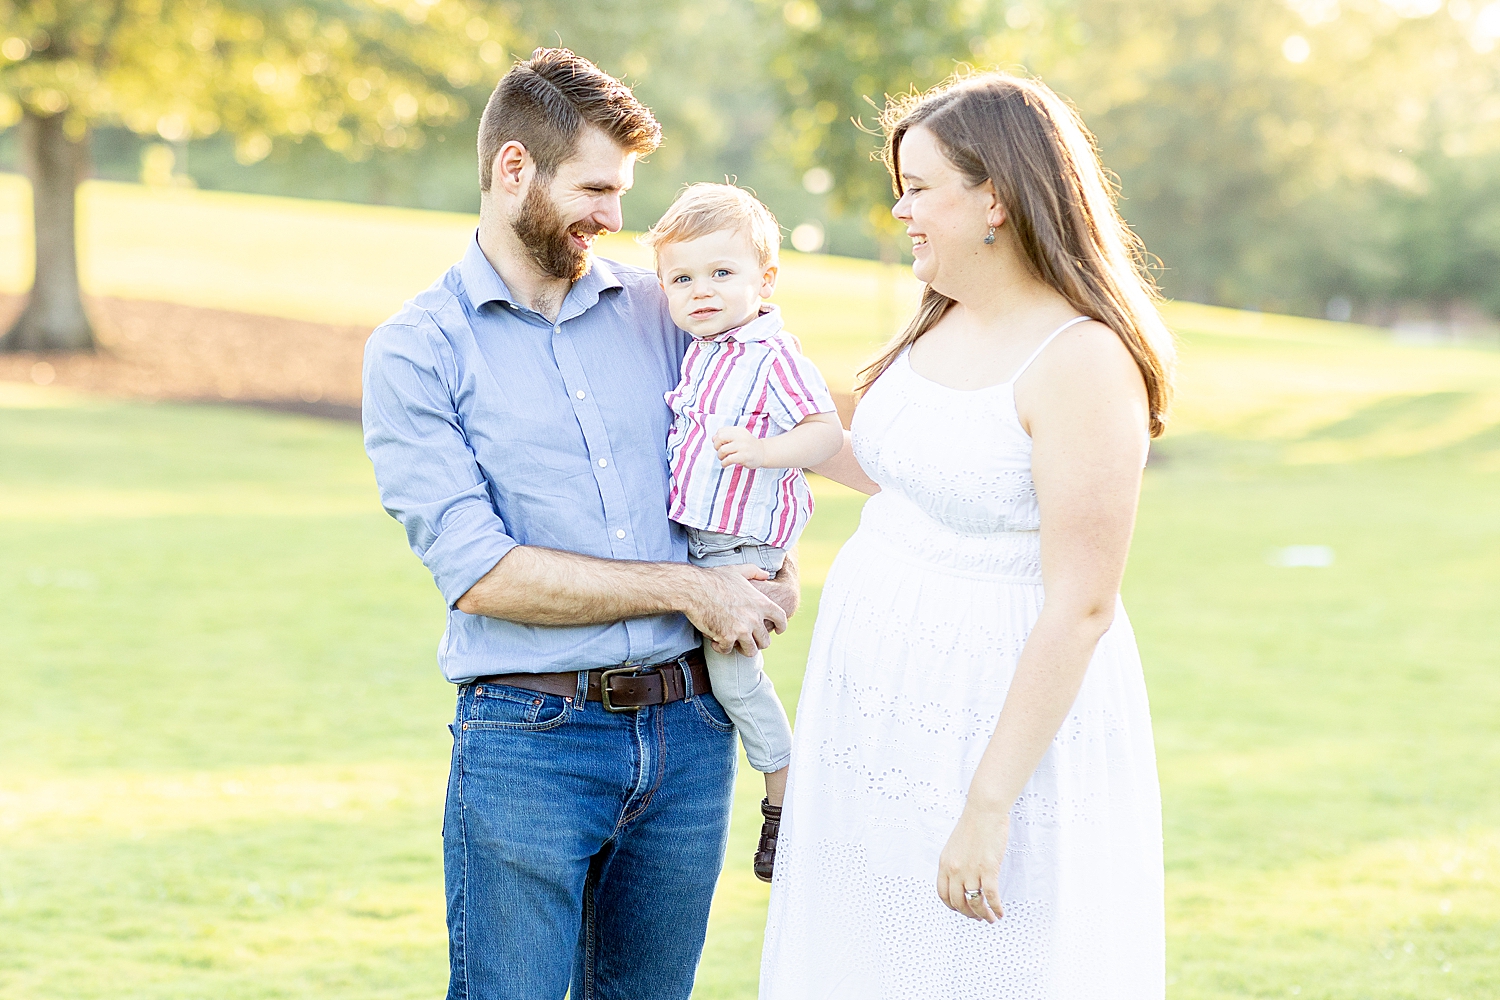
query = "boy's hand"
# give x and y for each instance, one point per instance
(737, 446)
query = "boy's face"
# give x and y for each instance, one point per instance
(714, 283)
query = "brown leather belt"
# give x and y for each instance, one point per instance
(619, 689)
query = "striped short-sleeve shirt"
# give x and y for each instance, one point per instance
(754, 376)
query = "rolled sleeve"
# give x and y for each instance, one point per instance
(428, 477)
(798, 387)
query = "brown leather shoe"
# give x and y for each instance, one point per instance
(765, 851)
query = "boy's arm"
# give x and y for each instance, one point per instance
(815, 440)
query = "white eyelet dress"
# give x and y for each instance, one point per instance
(922, 619)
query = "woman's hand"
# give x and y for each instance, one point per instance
(971, 860)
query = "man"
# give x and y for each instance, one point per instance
(514, 413)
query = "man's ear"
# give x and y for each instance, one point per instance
(511, 167)
(768, 282)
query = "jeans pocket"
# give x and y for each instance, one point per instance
(496, 706)
(711, 712)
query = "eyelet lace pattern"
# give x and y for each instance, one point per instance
(922, 621)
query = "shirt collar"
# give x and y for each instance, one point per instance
(483, 285)
(763, 327)
(587, 289)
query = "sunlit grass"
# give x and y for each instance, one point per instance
(339, 263)
(222, 742)
(336, 263)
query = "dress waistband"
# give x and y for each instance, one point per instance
(909, 534)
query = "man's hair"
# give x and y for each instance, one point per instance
(545, 102)
(714, 208)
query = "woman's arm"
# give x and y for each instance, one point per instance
(844, 468)
(1087, 411)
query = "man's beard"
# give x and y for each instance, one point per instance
(548, 240)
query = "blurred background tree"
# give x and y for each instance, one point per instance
(1325, 157)
(356, 75)
(1306, 156)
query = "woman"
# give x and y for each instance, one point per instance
(973, 809)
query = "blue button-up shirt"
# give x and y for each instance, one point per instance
(491, 427)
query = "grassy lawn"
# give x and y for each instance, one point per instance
(222, 742)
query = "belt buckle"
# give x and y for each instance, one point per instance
(604, 677)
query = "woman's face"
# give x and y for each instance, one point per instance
(946, 219)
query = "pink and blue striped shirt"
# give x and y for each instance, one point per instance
(754, 376)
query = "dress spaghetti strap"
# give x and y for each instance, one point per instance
(1050, 338)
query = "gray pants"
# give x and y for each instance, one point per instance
(740, 684)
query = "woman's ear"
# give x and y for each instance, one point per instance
(994, 213)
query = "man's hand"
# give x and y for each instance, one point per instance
(737, 446)
(785, 590)
(732, 613)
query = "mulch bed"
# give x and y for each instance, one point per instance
(159, 350)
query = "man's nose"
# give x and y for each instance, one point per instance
(609, 216)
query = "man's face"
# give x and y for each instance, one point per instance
(560, 216)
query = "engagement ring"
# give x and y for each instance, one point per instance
(973, 893)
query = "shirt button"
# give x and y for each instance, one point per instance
(620, 533)
(603, 462)
(580, 393)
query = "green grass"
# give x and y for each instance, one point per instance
(336, 263)
(222, 742)
(222, 734)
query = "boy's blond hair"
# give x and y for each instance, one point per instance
(714, 208)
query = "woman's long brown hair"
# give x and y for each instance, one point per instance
(1020, 135)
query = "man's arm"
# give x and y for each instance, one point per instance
(536, 586)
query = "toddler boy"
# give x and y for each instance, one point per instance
(749, 414)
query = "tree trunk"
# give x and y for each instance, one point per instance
(53, 319)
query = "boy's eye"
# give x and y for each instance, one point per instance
(680, 279)
(721, 272)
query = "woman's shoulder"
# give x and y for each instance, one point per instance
(1087, 374)
(1087, 353)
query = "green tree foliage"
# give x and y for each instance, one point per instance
(837, 60)
(700, 66)
(356, 75)
(1271, 154)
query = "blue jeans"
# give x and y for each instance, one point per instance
(581, 847)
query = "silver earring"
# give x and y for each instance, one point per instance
(991, 237)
